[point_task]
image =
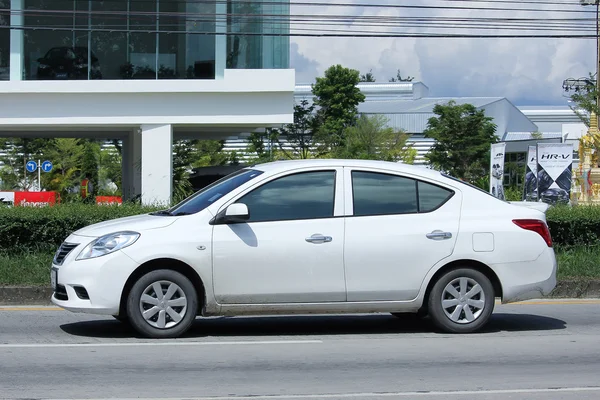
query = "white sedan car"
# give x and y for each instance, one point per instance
(317, 236)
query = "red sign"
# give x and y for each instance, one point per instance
(34, 199)
(107, 200)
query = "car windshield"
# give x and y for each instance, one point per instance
(207, 196)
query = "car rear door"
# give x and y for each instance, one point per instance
(397, 228)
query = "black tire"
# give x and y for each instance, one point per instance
(462, 325)
(188, 310)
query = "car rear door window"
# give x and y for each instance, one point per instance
(307, 195)
(382, 194)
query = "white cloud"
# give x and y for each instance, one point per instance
(526, 71)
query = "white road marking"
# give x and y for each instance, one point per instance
(375, 395)
(140, 344)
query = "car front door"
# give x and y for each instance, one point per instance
(290, 250)
(397, 228)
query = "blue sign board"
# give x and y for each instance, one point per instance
(31, 166)
(46, 166)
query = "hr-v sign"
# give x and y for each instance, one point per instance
(555, 156)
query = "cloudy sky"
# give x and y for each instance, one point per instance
(526, 71)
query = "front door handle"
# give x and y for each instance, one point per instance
(439, 235)
(318, 238)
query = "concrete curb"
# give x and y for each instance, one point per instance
(24, 295)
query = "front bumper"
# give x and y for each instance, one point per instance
(92, 286)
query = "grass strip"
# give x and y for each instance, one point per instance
(33, 268)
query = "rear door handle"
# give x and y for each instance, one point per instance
(318, 238)
(439, 235)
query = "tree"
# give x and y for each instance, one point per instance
(110, 171)
(263, 147)
(372, 139)
(301, 134)
(463, 136)
(67, 157)
(89, 164)
(399, 78)
(337, 96)
(368, 77)
(184, 155)
(585, 98)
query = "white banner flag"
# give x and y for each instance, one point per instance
(531, 175)
(497, 170)
(554, 172)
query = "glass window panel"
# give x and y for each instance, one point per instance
(244, 48)
(109, 49)
(432, 196)
(4, 40)
(199, 57)
(300, 196)
(171, 44)
(381, 194)
(49, 54)
(142, 18)
(254, 26)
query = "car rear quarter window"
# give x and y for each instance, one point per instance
(307, 195)
(382, 194)
(431, 197)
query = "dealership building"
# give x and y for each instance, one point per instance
(145, 72)
(153, 71)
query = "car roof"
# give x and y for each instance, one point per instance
(281, 166)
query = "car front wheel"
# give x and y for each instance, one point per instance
(162, 304)
(461, 301)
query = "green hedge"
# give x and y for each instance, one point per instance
(574, 226)
(25, 229)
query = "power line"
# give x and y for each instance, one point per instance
(255, 3)
(322, 35)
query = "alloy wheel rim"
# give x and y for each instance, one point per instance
(163, 304)
(463, 300)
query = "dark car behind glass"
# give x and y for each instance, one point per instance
(68, 63)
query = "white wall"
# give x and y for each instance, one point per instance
(243, 97)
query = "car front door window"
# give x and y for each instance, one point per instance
(308, 195)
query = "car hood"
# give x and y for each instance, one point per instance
(137, 223)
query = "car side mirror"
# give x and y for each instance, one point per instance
(41, 60)
(234, 214)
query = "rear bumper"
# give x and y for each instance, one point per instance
(528, 280)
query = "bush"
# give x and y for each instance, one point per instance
(574, 226)
(24, 229)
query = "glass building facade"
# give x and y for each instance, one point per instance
(145, 39)
(4, 40)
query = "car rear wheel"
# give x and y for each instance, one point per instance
(461, 301)
(162, 304)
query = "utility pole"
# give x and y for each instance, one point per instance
(597, 4)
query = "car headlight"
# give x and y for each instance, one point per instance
(108, 244)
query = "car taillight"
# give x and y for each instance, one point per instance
(537, 226)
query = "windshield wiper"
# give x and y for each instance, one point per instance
(181, 213)
(162, 212)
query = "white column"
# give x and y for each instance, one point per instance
(221, 40)
(157, 164)
(16, 40)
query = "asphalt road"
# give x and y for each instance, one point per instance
(529, 351)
